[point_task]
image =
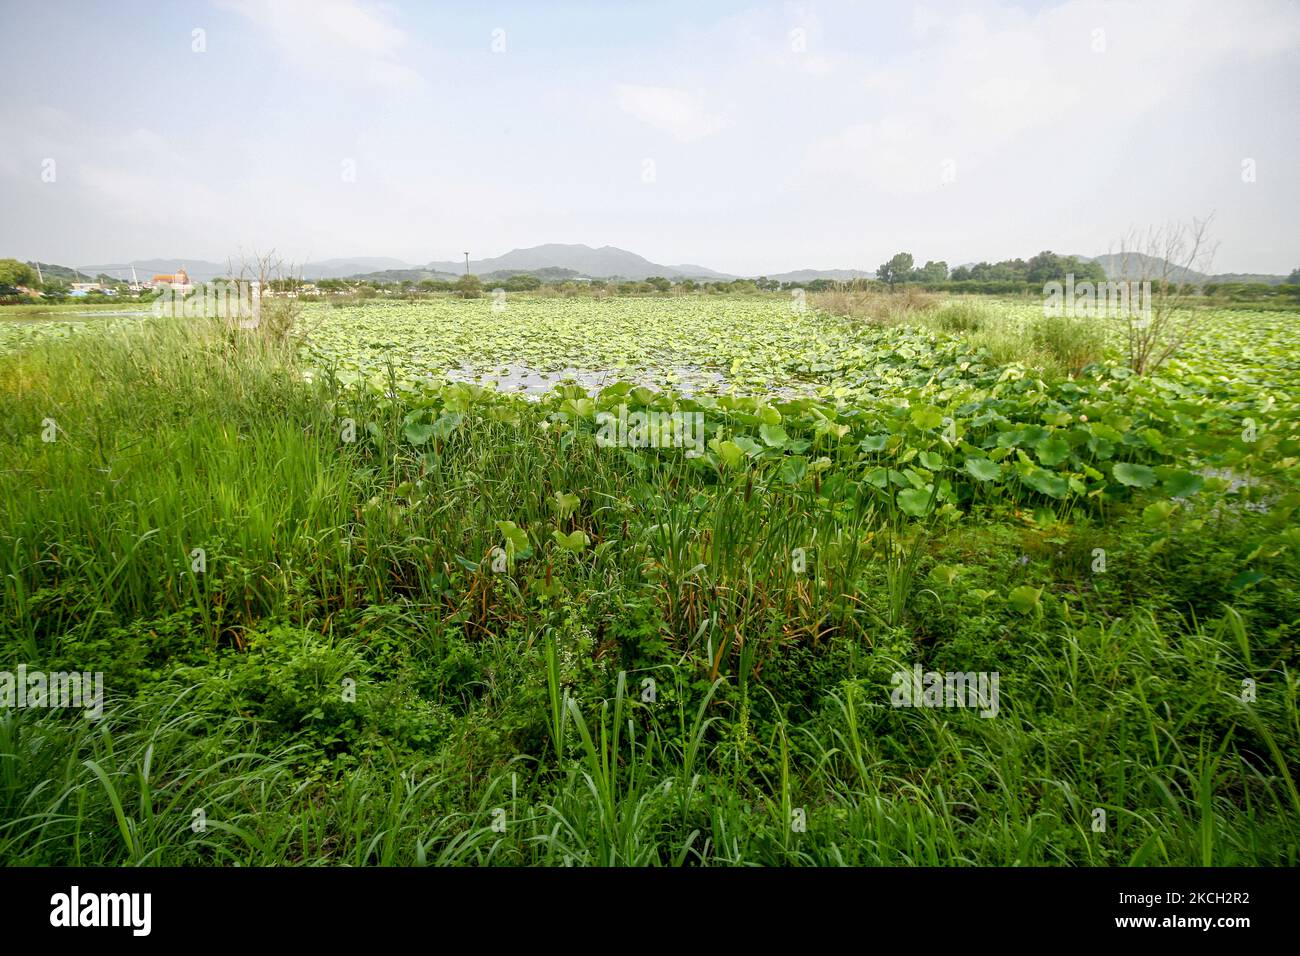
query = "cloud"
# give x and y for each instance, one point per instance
(673, 111)
(831, 150)
(900, 154)
(105, 182)
(974, 86)
(786, 38)
(343, 40)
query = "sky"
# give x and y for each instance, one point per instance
(748, 138)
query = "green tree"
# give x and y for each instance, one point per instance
(1087, 271)
(933, 272)
(1045, 267)
(896, 270)
(468, 286)
(1008, 270)
(1293, 278)
(1049, 267)
(524, 282)
(14, 274)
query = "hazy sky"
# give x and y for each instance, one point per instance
(745, 137)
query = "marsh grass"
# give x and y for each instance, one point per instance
(520, 692)
(1056, 346)
(1053, 346)
(961, 316)
(1074, 343)
(875, 307)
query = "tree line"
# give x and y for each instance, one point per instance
(1045, 267)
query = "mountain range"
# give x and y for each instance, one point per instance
(602, 263)
(606, 262)
(1139, 264)
(557, 259)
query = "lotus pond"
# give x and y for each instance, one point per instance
(902, 403)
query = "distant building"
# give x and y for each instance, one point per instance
(177, 282)
(83, 288)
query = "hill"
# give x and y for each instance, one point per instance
(808, 275)
(553, 261)
(52, 271)
(198, 270)
(607, 262)
(392, 275)
(201, 270)
(1152, 266)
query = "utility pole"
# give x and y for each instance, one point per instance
(467, 263)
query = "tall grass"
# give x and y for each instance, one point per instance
(1055, 346)
(875, 785)
(1073, 342)
(873, 307)
(499, 718)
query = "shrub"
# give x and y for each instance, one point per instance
(961, 317)
(911, 299)
(1074, 343)
(875, 308)
(469, 286)
(296, 681)
(278, 317)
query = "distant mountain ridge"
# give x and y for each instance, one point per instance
(145, 269)
(605, 262)
(809, 275)
(1152, 267)
(1136, 265)
(201, 270)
